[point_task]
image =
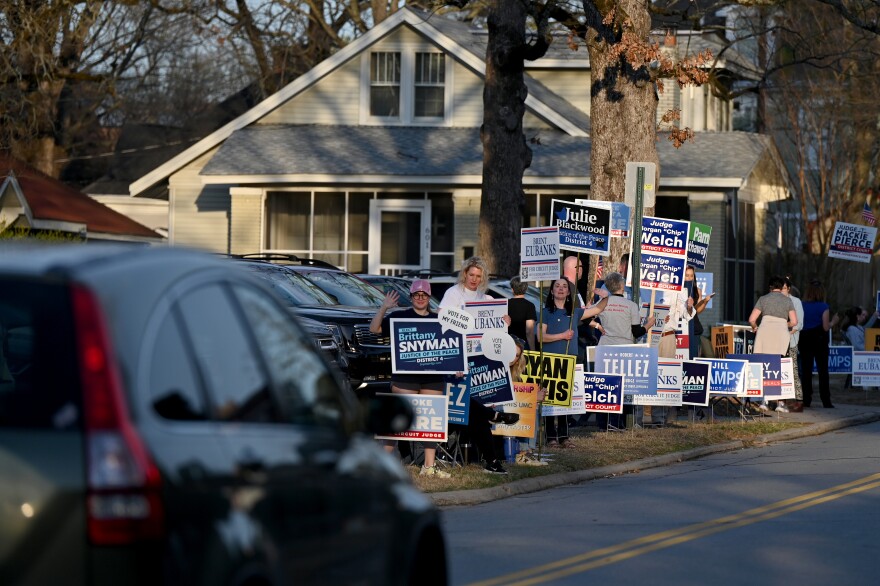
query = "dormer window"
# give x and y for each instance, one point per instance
(385, 84)
(429, 81)
(406, 87)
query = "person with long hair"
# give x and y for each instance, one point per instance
(813, 345)
(473, 280)
(559, 320)
(855, 320)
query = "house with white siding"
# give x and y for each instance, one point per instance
(372, 160)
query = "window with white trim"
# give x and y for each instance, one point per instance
(385, 84)
(406, 87)
(430, 77)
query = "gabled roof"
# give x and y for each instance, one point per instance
(269, 154)
(445, 33)
(44, 203)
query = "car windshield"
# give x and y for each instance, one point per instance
(293, 288)
(346, 288)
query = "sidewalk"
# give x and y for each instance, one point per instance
(818, 419)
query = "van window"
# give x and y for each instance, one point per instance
(39, 379)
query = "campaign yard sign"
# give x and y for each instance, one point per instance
(420, 346)
(695, 379)
(852, 242)
(525, 403)
(722, 341)
(771, 372)
(872, 339)
(755, 380)
(430, 421)
(555, 372)
(485, 316)
(577, 397)
(866, 369)
(582, 228)
(603, 393)
(657, 271)
(665, 236)
(620, 215)
(489, 380)
(840, 360)
(459, 400)
(728, 376)
(539, 254)
(706, 284)
(637, 364)
(698, 245)
(787, 387)
(669, 373)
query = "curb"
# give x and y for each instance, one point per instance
(526, 485)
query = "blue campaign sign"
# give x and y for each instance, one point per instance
(661, 272)
(459, 400)
(706, 284)
(695, 379)
(840, 360)
(620, 215)
(489, 380)
(772, 371)
(582, 228)
(636, 363)
(603, 393)
(665, 236)
(419, 346)
(728, 376)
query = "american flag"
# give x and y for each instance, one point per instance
(868, 215)
(599, 269)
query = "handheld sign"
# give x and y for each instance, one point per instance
(420, 346)
(539, 254)
(430, 422)
(582, 228)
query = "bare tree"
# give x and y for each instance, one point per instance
(823, 112)
(60, 63)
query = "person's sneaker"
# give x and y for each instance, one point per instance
(508, 418)
(781, 408)
(763, 407)
(433, 471)
(495, 467)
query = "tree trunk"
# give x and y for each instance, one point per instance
(623, 109)
(505, 153)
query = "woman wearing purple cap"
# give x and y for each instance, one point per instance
(423, 384)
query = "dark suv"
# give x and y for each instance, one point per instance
(165, 420)
(339, 300)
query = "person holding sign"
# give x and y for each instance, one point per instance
(473, 280)
(559, 320)
(681, 308)
(621, 324)
(423, 384)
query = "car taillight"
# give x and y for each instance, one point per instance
(123, 501)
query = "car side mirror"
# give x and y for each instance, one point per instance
(387, 414)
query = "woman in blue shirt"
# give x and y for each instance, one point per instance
(559, 321)
(813, 344)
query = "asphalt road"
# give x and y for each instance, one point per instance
(804, 512)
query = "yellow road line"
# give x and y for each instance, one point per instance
(649, 543)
